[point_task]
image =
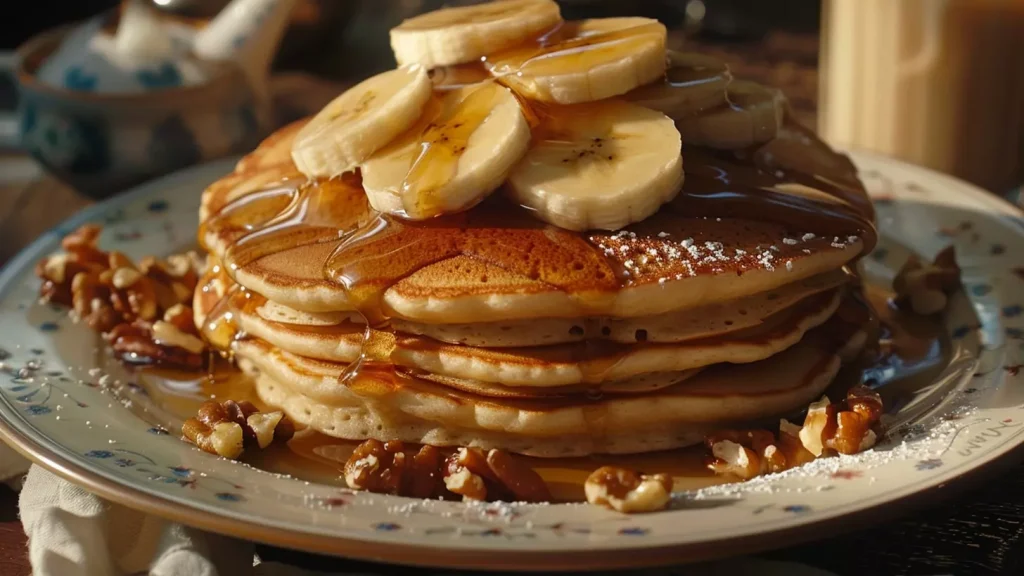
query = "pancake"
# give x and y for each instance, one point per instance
(337, 335)
(497, 263)
(699, 322)
(593, 363)
(414, 410)
(634, 385)
(556, 365)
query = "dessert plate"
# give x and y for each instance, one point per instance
(64, 407)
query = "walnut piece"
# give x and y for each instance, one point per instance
(627, 491)
(173, 341)
(846, 428)
(142, 310)
(376, 467)
(924, 288)
(469, 473)
(228, 428)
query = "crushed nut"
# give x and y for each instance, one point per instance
(847, 428)
(173, 341)
(228, 428)
(376, 467)
(819, 425)
(627, 491)
(175, 278)
(465, 472)
(791, 447)
(925, 288)
(143, 311)
(459, 480)
(524, 483)
(424, 477)
(471, 473)
(853, 431)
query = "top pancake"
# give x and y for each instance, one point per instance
(489, 265)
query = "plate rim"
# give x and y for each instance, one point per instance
(408, 554)
(50, 458)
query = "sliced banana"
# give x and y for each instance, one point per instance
(466, 33)
(752, 115)
(693, 83)
(585, 61)
(460, 151)
(459, 76)
(361, 121)
(600, 166)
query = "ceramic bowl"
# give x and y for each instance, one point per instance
(103, 143)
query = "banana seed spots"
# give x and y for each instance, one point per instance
(598, 148)
(442, 144)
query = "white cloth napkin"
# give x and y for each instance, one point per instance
(75, 533)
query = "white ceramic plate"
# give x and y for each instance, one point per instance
(59, 413)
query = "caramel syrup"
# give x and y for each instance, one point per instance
(571, 46)
(316, 211)
(457, 77)
(442, 143)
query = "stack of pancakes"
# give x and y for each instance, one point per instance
(732, 305)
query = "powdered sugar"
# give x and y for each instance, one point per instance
(922, 446)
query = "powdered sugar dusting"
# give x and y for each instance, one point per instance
(926, 445)
(662, 255)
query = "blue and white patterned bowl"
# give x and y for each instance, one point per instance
(101, 143)
(55, 409)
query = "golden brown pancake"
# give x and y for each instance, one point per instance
(415, 410)
(495, 263)
(494, 329)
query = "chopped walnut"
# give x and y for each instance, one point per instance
(392, 468)
(465, 472)
(627, 491)
(745, 453)
(925, 288)
(173, 341)
(521, 480)
(847, 428)
(853, 432)
(494, 475)
(376, 467)
(175, 278)
(228, 428)
(142, 310)
(819, 426)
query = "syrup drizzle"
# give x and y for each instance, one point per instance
(442, 143)
(573, 45)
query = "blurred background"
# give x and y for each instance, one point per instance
(344, 39)
(935, 82)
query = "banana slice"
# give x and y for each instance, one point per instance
(754, 114)
(466, 33)
(585, 61)
(693, 83)
(361, 121)
(600, 166)
(460, 151)
(452, 77)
